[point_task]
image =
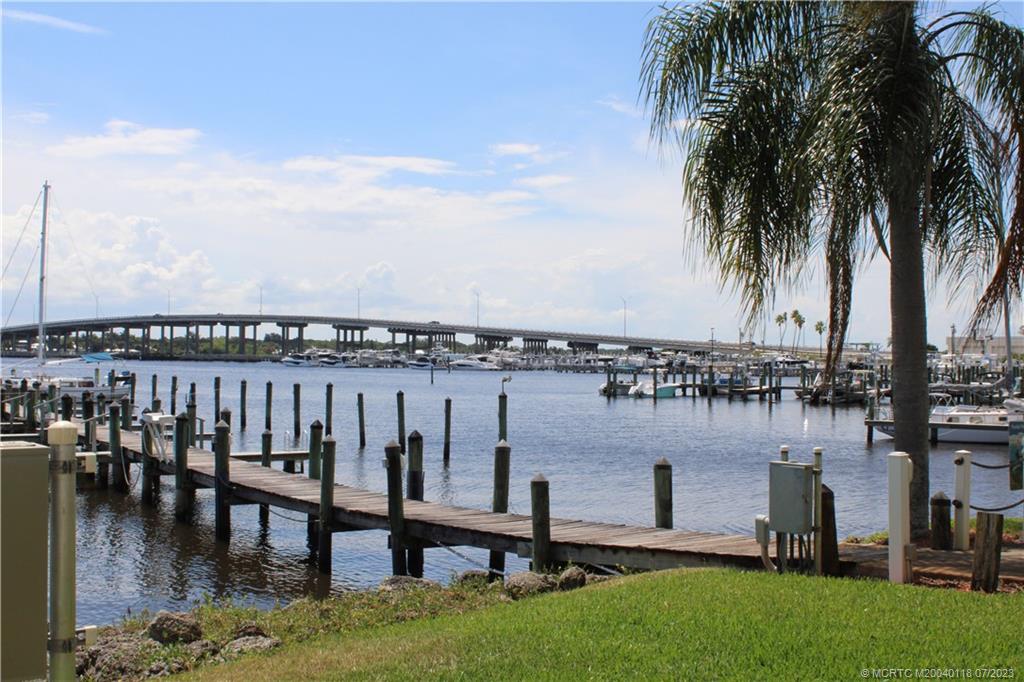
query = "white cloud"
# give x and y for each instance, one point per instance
(127, 138)
(615, 103)
(51, 21)
(514, 149)
(32, 117)
(544, 181)
(372, 166)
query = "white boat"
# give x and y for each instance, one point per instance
(421, 362)
(307, 359)
(966, 423)
(475, 363)
(645, 389)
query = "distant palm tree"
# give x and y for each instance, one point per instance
(798, 320)
(819, 327)
(780, 321)
(849, 125)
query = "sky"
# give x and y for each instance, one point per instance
(402, 159)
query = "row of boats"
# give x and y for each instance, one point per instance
(439, 358)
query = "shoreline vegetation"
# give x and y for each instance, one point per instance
(722, 622)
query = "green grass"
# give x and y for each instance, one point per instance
(672, 625)
(1012, 526)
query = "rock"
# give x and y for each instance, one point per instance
(397, 583)
(593, 579)
(244, 645)
(170, 628)
(249, 629)
(120, 656)
(158, 669)
(201, 649)
(572, 578)
(472, 577)
(527, 583)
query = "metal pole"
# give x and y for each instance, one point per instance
(41, 351)
(62, 437)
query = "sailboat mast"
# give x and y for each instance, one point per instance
(42, 278)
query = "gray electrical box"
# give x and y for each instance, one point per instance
(24, 485)
(790, 497)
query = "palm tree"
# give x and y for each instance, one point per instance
(780, 321)
(798, 320)
(819, 327)
(846, 125)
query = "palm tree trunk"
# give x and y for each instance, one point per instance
(1009, 338)
(909, 352)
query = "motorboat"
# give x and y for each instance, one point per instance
(646, 389)
(421, 362)
(964, 423)
(615, 388)
(307, 359)
(475, 363)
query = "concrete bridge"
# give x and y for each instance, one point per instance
(176, 335)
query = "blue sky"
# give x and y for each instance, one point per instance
(419, 152)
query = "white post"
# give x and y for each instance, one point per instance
(817, 510)
(962, 500)
(784, 453)
(62, 437)
(900, 470)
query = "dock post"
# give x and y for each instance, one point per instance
(323, 552)
(183, 495)
(396, 508)
(102, 468)
(362, 421)
(150, 477)
(654, 395)
(414, 491)
(265, 458)
(503, 416)
(88, 417)
(988, 545)
(400, 399)
(126, 414)
(30, 410)
(316, 437)
(216, 400)
(962, 500)
(67, 407)
(540, 510)
(156, 405)
(62, 437)
(662, 494)
(132, 379)
(499, 501)
(899, 468)
(222, 481)
(242, 389)
(296, 400)
(816, 536)
(329, 410)
(193, 421)
(268, 407)
(118, 460)
(174, 394)
(152, 392)
(829, 538)
(941, 536)
(447, 430)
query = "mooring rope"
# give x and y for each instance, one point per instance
(998, 509)
(991, 466)
(471, 560)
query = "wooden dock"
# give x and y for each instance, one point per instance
(429, 524)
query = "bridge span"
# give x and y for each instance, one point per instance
(196, 333)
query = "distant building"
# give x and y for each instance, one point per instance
(991, 344)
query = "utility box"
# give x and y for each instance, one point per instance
(790, 497)
(24, 507)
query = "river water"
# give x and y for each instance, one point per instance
(596, 453)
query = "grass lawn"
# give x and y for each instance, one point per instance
(677, 624)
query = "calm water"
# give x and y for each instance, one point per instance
(596, 453)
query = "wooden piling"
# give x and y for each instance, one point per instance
(503, 416)
(414, 491)
(222, 481)
(942, 534)
(396, 508)
(662, 494)
(120, 462)
(88, 412)
(988, 546)
(30, 411)
(102, 468)
(829, 538)
(296, 400)
(267, 443)
(152, 393)
(540, 510)
(132, 379)
(325, 527)
(329, 410)
(499, 500)
(174, 395)
(183, 490)
(447, 430)
(216, 400)
(126, 414)
(362, 421)
(654, 396)
(316, 436)
(269, 406)
(400, 399)
(67, 407)
(242, 389)
(150, 474)
(193, 422)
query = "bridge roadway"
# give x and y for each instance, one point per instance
(533, 339)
